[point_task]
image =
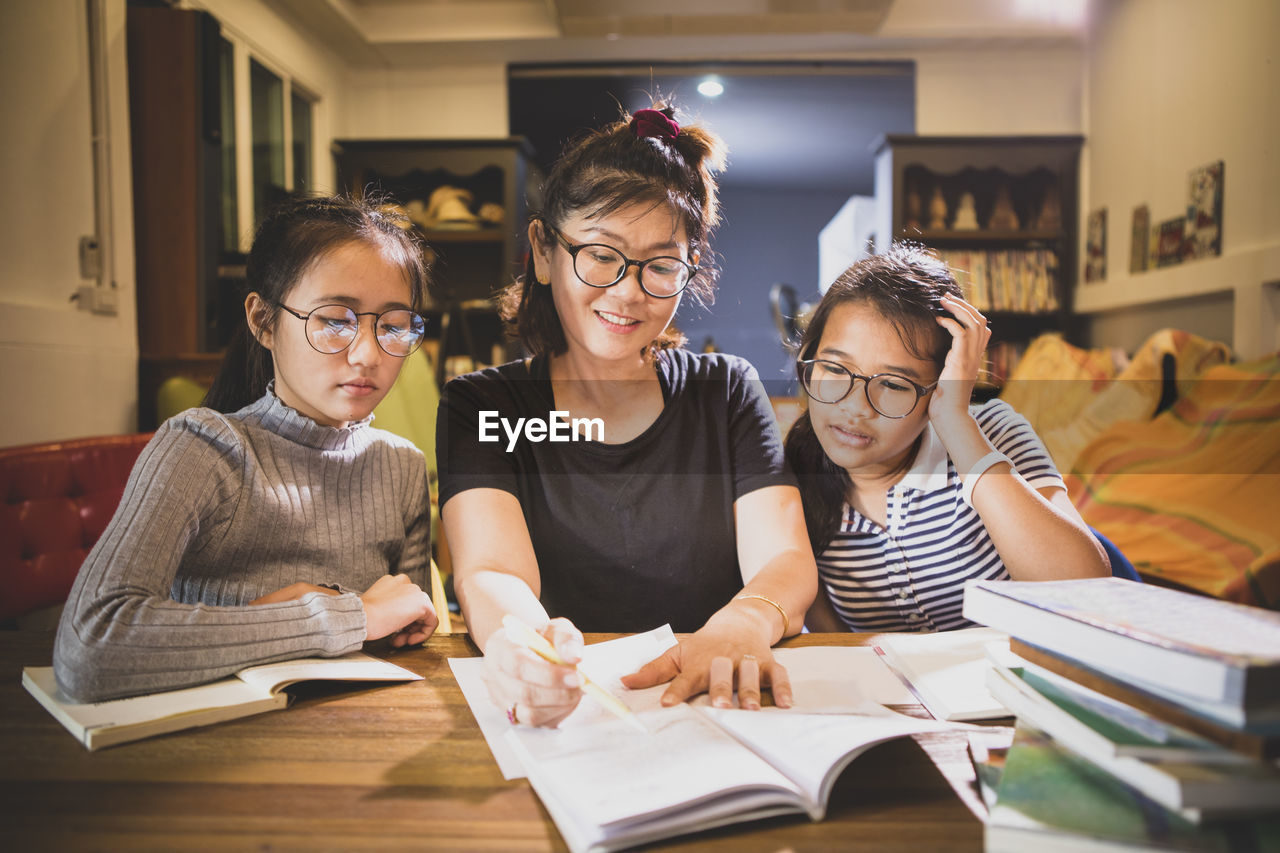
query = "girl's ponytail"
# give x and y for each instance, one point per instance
(246, 370)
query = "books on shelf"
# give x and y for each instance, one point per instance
(1048, 798)
(250, 691)
(1197, 780)
(1212, 653)
(947, 670)
(1021, 280)
(609, 787)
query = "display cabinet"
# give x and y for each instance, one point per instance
(469, 200)
(1003, 212)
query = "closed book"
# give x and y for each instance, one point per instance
(1117, 728)
(253, 690)
(1050, 799)
(1195, 788)
(1203, 648)
(1258, 742)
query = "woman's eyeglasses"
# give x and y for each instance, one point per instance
(889, 394)
(601, 265)
(332, 328)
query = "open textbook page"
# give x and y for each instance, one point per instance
(948, 670)
(824, 680)
(609, 787)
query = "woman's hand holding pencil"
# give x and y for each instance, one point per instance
(534, 689)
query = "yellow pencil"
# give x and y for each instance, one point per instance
(541, 646)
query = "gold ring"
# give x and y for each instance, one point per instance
(511, 715)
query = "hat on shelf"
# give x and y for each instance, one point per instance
(450, 207)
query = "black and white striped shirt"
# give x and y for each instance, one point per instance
(911, 576)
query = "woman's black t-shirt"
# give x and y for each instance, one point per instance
(627, 536)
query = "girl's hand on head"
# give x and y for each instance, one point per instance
(726, 649)
(395, 605)
(538, 692)
(292, 592)
(969, 337)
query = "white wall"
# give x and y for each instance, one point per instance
(999, 90)
(1173, 85)
(456, 101)
(66, 373)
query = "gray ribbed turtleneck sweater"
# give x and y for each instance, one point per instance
(221, 509)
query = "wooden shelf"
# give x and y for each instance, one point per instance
(435, 236)
(1025, 266)
(952, 236)
(469, 265)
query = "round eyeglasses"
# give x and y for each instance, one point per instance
(889, 394)
(601, 265)
(332, 328)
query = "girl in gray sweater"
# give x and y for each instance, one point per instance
(276, 525)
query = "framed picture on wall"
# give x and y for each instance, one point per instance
(1095, 247)
(1169, 245)
(1203, 233)
(1140, 246)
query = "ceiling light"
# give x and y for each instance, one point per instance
(711, 87)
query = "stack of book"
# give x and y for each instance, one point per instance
(1147, 718)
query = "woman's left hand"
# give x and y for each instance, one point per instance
(969, 337)
(707, 661)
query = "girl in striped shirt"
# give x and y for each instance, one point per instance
(909, 491)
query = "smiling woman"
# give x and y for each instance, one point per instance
(684, 494)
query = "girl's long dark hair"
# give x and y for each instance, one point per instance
(905, 285)
(290, 241)
(601, 173)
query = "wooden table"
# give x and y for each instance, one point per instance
(399, 767)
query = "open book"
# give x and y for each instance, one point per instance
(609, 787)
(250, 691)
(947, 670)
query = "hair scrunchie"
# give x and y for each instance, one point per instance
(654, 124)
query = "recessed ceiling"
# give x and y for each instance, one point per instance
(781, 129)
(408, 34)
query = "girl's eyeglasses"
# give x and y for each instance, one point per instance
(332, 328)
(889, 394)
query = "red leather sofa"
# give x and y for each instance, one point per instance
(55, 501)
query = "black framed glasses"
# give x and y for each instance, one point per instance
(889, 394)
(601, 265)
(332, 328)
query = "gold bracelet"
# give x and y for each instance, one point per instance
(786, 622)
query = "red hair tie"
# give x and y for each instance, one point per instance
(654, 124)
